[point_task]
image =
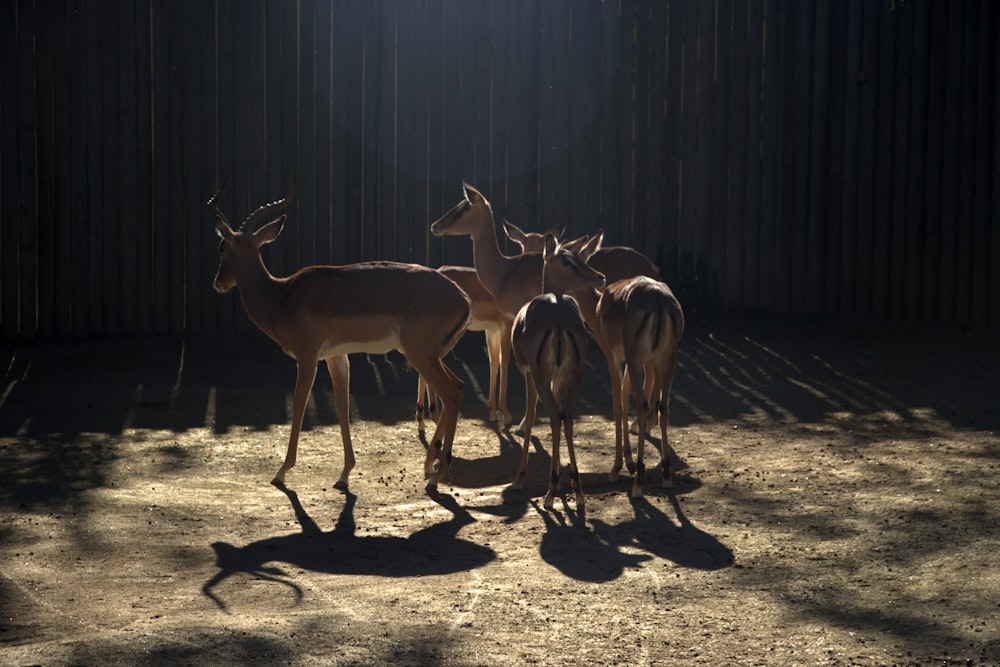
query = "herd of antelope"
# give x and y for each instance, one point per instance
(543, 305)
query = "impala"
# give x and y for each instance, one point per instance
(486, 317)
(512, 280)
(327, 312)
(615, 262)
(642, 323)
(550, 342)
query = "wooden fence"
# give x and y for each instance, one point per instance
(835, 157)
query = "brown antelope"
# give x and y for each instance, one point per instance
(512, 280)
(327, 312)
(642, 323)
(486, 317)
(550, 342)
(615, 262)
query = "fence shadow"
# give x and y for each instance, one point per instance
(73, 401)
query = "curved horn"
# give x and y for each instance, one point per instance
(270, 207)
(213, 203)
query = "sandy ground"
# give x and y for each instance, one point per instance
(836, 503)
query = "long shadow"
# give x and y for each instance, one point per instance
(596, 555)
(430, 551)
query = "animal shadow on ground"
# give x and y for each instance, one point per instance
(597, 555)
(433, 550)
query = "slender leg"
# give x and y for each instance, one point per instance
(569, 408)
(531, 396)
(448, 388)
(642, 410)
(626, 393)
(493, 353)
(303, 385)
(555, 420)
(664, 405)
(340, 375)
(421, 391)
(504, 360)
(614, 370)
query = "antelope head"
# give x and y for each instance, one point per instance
(242, 245)
(467, 216)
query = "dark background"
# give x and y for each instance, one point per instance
(832, 157)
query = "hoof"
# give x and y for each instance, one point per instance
(631, 466)
(548, 502)
(613, 476)
(341, 485)
(432, 486)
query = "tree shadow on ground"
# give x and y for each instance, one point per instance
(431, 551)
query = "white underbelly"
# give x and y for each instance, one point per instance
(373, 346)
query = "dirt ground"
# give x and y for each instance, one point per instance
(836, 503)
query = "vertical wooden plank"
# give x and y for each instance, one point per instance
(756, 84)
(951, 163)
(735, 74)
(306, 115)
(654, 179)
(627, 122)
(344, 100)
(994, 279)
(716, 43)
(687, 146)
(669, 258)
(818, 159)
(123, 192)
(142, 248)
(985, 129)
(96, 232)
(111, 223)
(64, 119)
(851, 83)
(191, 208)
(410, 244)
(793, 223)
(932, 181)
(868, 89)
(967, 165)
(900, 213)
(371, 103)
(884, 165)
(26, 166)
(46, 153)
(511, 110)
(832, 282)
(385, 222)
(78, 267)
(208, 163)
(915, 225)
(322, 122)
(224, 85)
(771, 152)
(161, 210)
(9, 181)
(176, 232)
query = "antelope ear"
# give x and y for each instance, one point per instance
(592, 245)
(270, 231)
(473, 195)
(551, 245)
(557, 231)
(513, 232)
(223, 230)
